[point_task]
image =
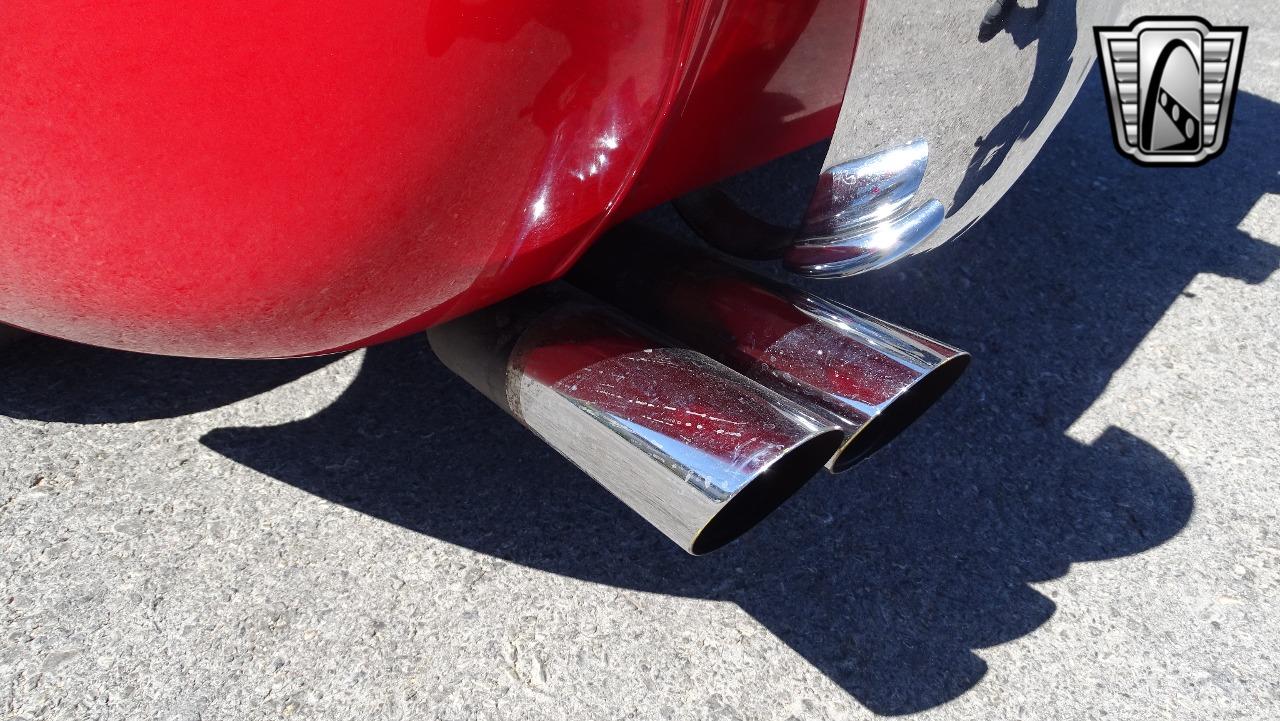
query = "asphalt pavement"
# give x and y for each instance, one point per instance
(1085, 527)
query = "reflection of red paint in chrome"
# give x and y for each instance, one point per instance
(595, 358)
(847, 369)
(564, 343)
(749, 322)
(746, 324)
(673, 397)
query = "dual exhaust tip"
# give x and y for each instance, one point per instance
(701, 396)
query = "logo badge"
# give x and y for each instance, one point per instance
(1171, 84)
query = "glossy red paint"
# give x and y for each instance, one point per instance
(770, 81)
(242, 179)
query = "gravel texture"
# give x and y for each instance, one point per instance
(1086, 527)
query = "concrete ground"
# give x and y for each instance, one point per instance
(1086, 527)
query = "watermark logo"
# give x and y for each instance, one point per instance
(1171, 83)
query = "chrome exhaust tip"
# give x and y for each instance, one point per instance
(698, 450)
(929, 369)
(870, 377)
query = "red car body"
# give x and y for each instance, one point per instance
(244, 179)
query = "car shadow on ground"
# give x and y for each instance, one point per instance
(886, 578)
(50, 380)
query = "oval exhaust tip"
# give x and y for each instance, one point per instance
(899, 413)
(766, 492)
(699, 450)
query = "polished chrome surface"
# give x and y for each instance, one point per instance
(983, 90)
(873, 378)
(867, 190)
(890, 376)
(970, 86)
(698, 450)
(841, 253)
(860, 217)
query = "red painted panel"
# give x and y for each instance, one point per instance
(769, 82)
(246, 179)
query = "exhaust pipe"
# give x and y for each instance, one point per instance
(698, 450)
(871, 377)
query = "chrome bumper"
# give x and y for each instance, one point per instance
(948, 102)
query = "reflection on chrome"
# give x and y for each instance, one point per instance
(698, 450)
(969, 89)
(839, 254)
(871, 377)
(997, 78)
(868, 189)
(859, 218)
